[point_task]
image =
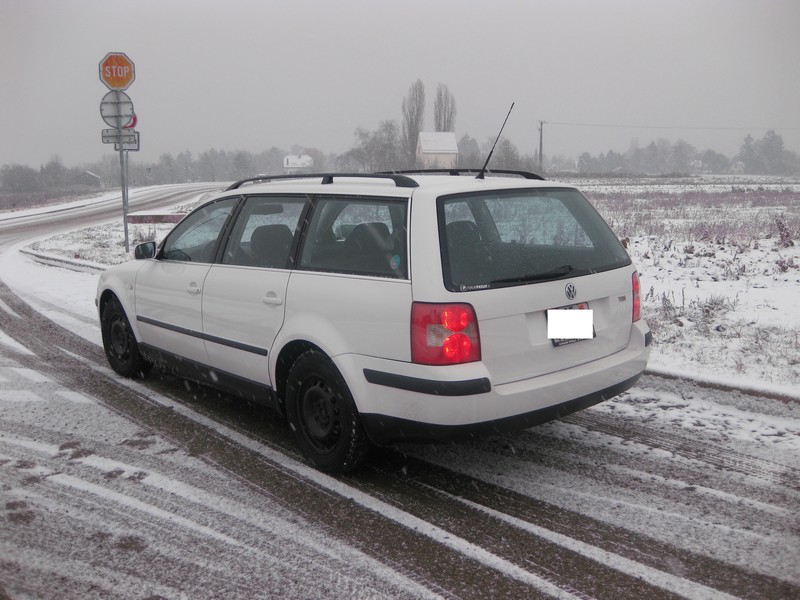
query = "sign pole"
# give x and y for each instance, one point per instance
(123, 175)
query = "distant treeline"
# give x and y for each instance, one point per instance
(22, 186)
(766, 156)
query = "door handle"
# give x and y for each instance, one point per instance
(272, 299)
(193, 288)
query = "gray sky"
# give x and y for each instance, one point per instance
(251, 74)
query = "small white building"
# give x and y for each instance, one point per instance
(437, 149)
(298, 163)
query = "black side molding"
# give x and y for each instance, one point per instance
(204, 336)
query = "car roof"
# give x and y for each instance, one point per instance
(400, 185)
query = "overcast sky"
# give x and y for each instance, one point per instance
(252, 74)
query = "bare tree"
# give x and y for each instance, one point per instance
(444, 109)
(376, 150)
(413, 118)
(506, 155)
(469, 153)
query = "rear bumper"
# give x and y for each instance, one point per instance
(383, 429)
(400, 401)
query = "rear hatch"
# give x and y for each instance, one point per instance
(514, 255)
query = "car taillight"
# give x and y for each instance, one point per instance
(637, 303)
(444, 334)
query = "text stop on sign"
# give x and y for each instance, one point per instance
(117, 71)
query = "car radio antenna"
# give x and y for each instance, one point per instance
(488, 158)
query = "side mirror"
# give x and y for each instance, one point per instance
(145, 250)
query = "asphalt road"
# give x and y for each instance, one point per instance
(83, 214)
(112, 488)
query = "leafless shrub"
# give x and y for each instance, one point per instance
(142, 234)
(702, 216)
(784, 265)
(784, 235)
(704, 313)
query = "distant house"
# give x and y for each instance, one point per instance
(298, 163)
(437, 149)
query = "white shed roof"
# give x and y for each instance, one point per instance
(438, 142)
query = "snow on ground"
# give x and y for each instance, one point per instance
(708, 320)
(719, 260)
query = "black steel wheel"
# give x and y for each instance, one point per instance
(323, 415)
(122, 349)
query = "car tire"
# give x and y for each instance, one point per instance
(323, 415)
(119, 343)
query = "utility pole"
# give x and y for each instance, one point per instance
(541, 148)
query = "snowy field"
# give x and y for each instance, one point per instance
(719, 258)
(720, 268)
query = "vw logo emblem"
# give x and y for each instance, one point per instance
(570, 291)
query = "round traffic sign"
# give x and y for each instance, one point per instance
(116, 108)
(117, 71)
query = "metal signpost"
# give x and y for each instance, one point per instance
(117, 72)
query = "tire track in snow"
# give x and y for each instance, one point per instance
(720, 541)
(645, 468)
(660, 559)
(721, 457)
(84, 486)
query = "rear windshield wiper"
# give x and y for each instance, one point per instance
(552, 274)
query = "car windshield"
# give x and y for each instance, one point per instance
(516, 237)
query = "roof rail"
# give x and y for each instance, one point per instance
(327, 178)
(457, 172)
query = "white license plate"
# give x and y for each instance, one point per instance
(570, 324)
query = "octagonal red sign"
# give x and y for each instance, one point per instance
(117, 71)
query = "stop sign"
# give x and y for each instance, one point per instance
(117, 71)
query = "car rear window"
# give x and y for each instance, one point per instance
(517, 237)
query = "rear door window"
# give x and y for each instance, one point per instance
(357, 235)
(517, 237)
(264, 232)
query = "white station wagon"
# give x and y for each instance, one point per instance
(388, 307)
